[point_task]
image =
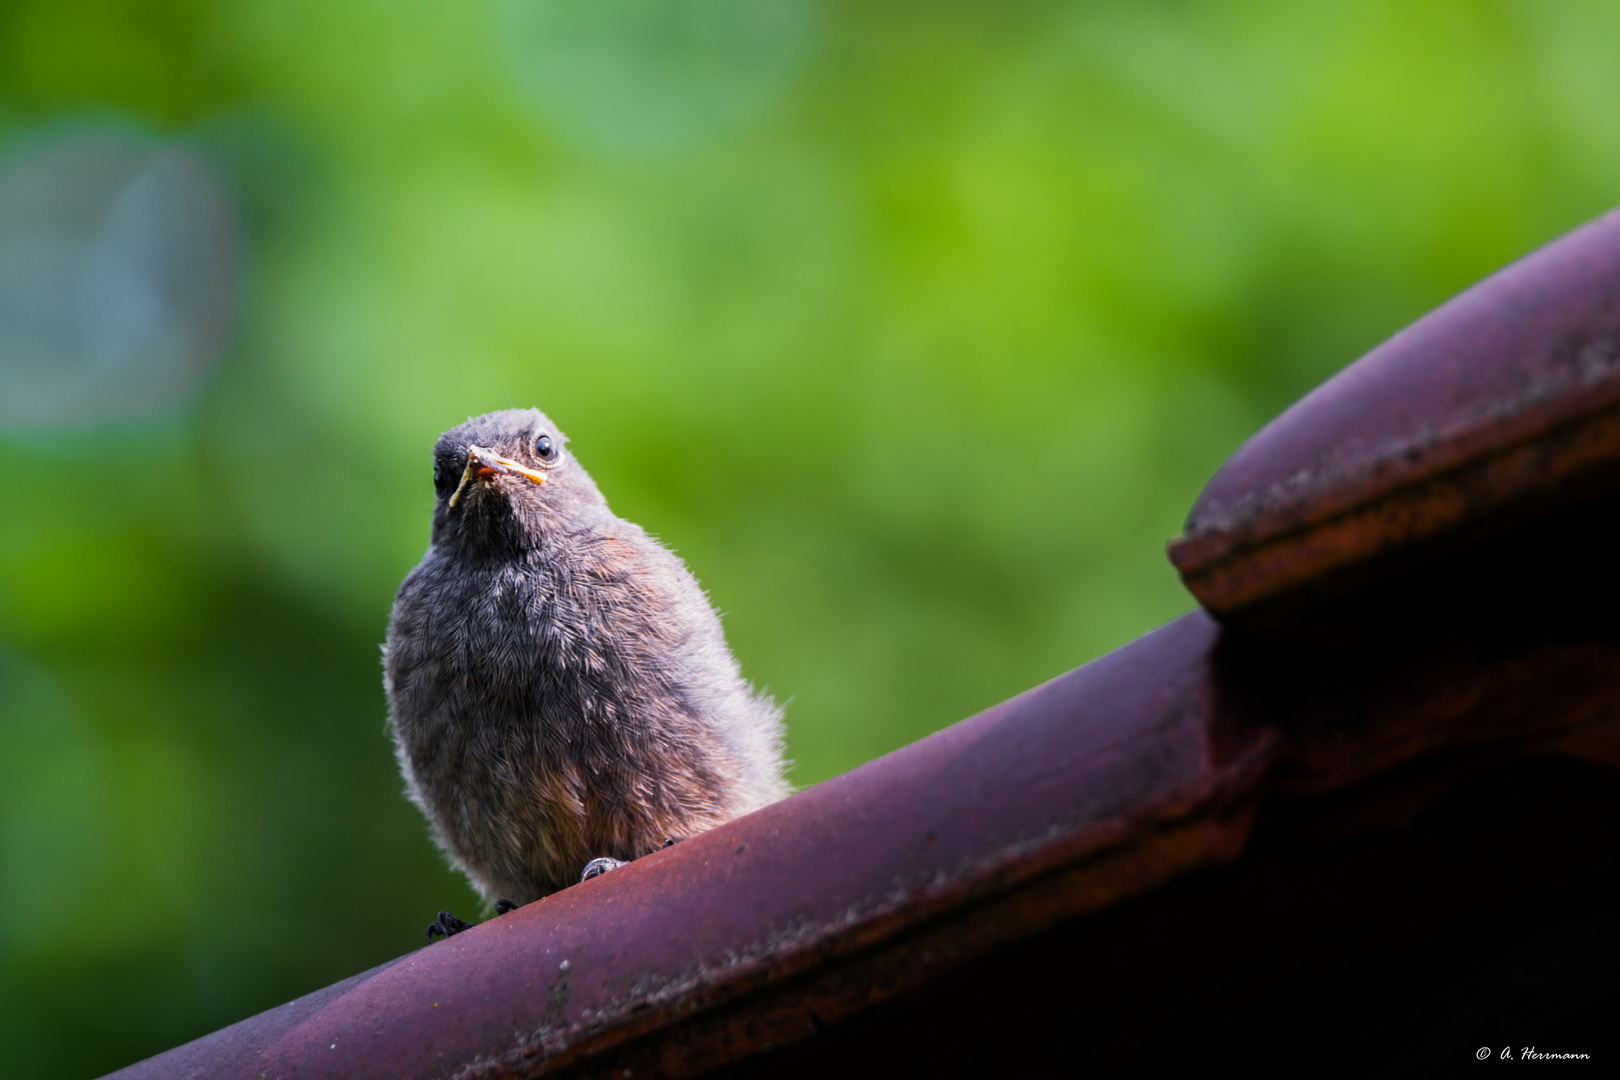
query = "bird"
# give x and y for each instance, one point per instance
(560, 692)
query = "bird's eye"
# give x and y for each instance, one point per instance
(445, 476)
(543, 448)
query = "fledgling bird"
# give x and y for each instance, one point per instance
(559, 688)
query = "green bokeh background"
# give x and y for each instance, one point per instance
(914, 327)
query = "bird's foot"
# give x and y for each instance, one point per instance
(447, 925)
(598, 867)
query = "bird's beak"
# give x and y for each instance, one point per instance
(482, 463)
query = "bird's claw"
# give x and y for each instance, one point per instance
(598, 867)
(446, 925)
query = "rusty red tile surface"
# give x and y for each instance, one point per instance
(1092, 762)
(1101, 785)
(1507, 395)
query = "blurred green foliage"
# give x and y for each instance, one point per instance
(914, 327)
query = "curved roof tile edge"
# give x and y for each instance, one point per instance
(1501, 396)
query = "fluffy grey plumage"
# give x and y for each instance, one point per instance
(558, 685)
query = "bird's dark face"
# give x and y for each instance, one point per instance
(503, 481)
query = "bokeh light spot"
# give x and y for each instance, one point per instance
(118, 269)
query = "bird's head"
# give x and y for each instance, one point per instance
(505, 479)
